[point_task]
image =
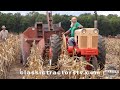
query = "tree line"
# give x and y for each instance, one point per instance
(107, 25)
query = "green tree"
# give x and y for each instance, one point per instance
(107, 25)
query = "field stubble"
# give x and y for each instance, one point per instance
(10, 53)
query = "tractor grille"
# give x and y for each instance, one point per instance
(94, 41)
(83, 42)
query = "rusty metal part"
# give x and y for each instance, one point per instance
(25, 49)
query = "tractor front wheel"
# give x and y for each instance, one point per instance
(94, 62)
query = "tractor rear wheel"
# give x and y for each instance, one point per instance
(102, 52)
(94, 62)
(55, 45)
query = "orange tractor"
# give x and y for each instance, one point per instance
(88, 46)
(88, 43)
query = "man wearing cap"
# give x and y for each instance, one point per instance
(74, 26)
(3, 33)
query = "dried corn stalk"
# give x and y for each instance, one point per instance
(9, 53)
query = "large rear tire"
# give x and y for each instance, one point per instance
(55, 45)
(94, 62)
(102, 52)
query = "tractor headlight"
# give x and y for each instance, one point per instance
(83, 31)
(95, 31)
(33, 28)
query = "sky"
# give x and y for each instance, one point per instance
(74, 13)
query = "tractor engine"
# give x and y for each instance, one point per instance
(89, 45)
(86, 42)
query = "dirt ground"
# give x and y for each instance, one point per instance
(15, 71)
(17, 66)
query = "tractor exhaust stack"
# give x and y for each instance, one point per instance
(50, 20)
(95, 21)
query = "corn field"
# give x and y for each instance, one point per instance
(10, 54)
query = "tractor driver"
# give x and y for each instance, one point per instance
(74, 26)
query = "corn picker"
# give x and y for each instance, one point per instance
(88, 43)
(41, 34)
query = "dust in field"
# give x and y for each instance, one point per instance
(10, 65)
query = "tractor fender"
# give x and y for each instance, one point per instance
(70, 49)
